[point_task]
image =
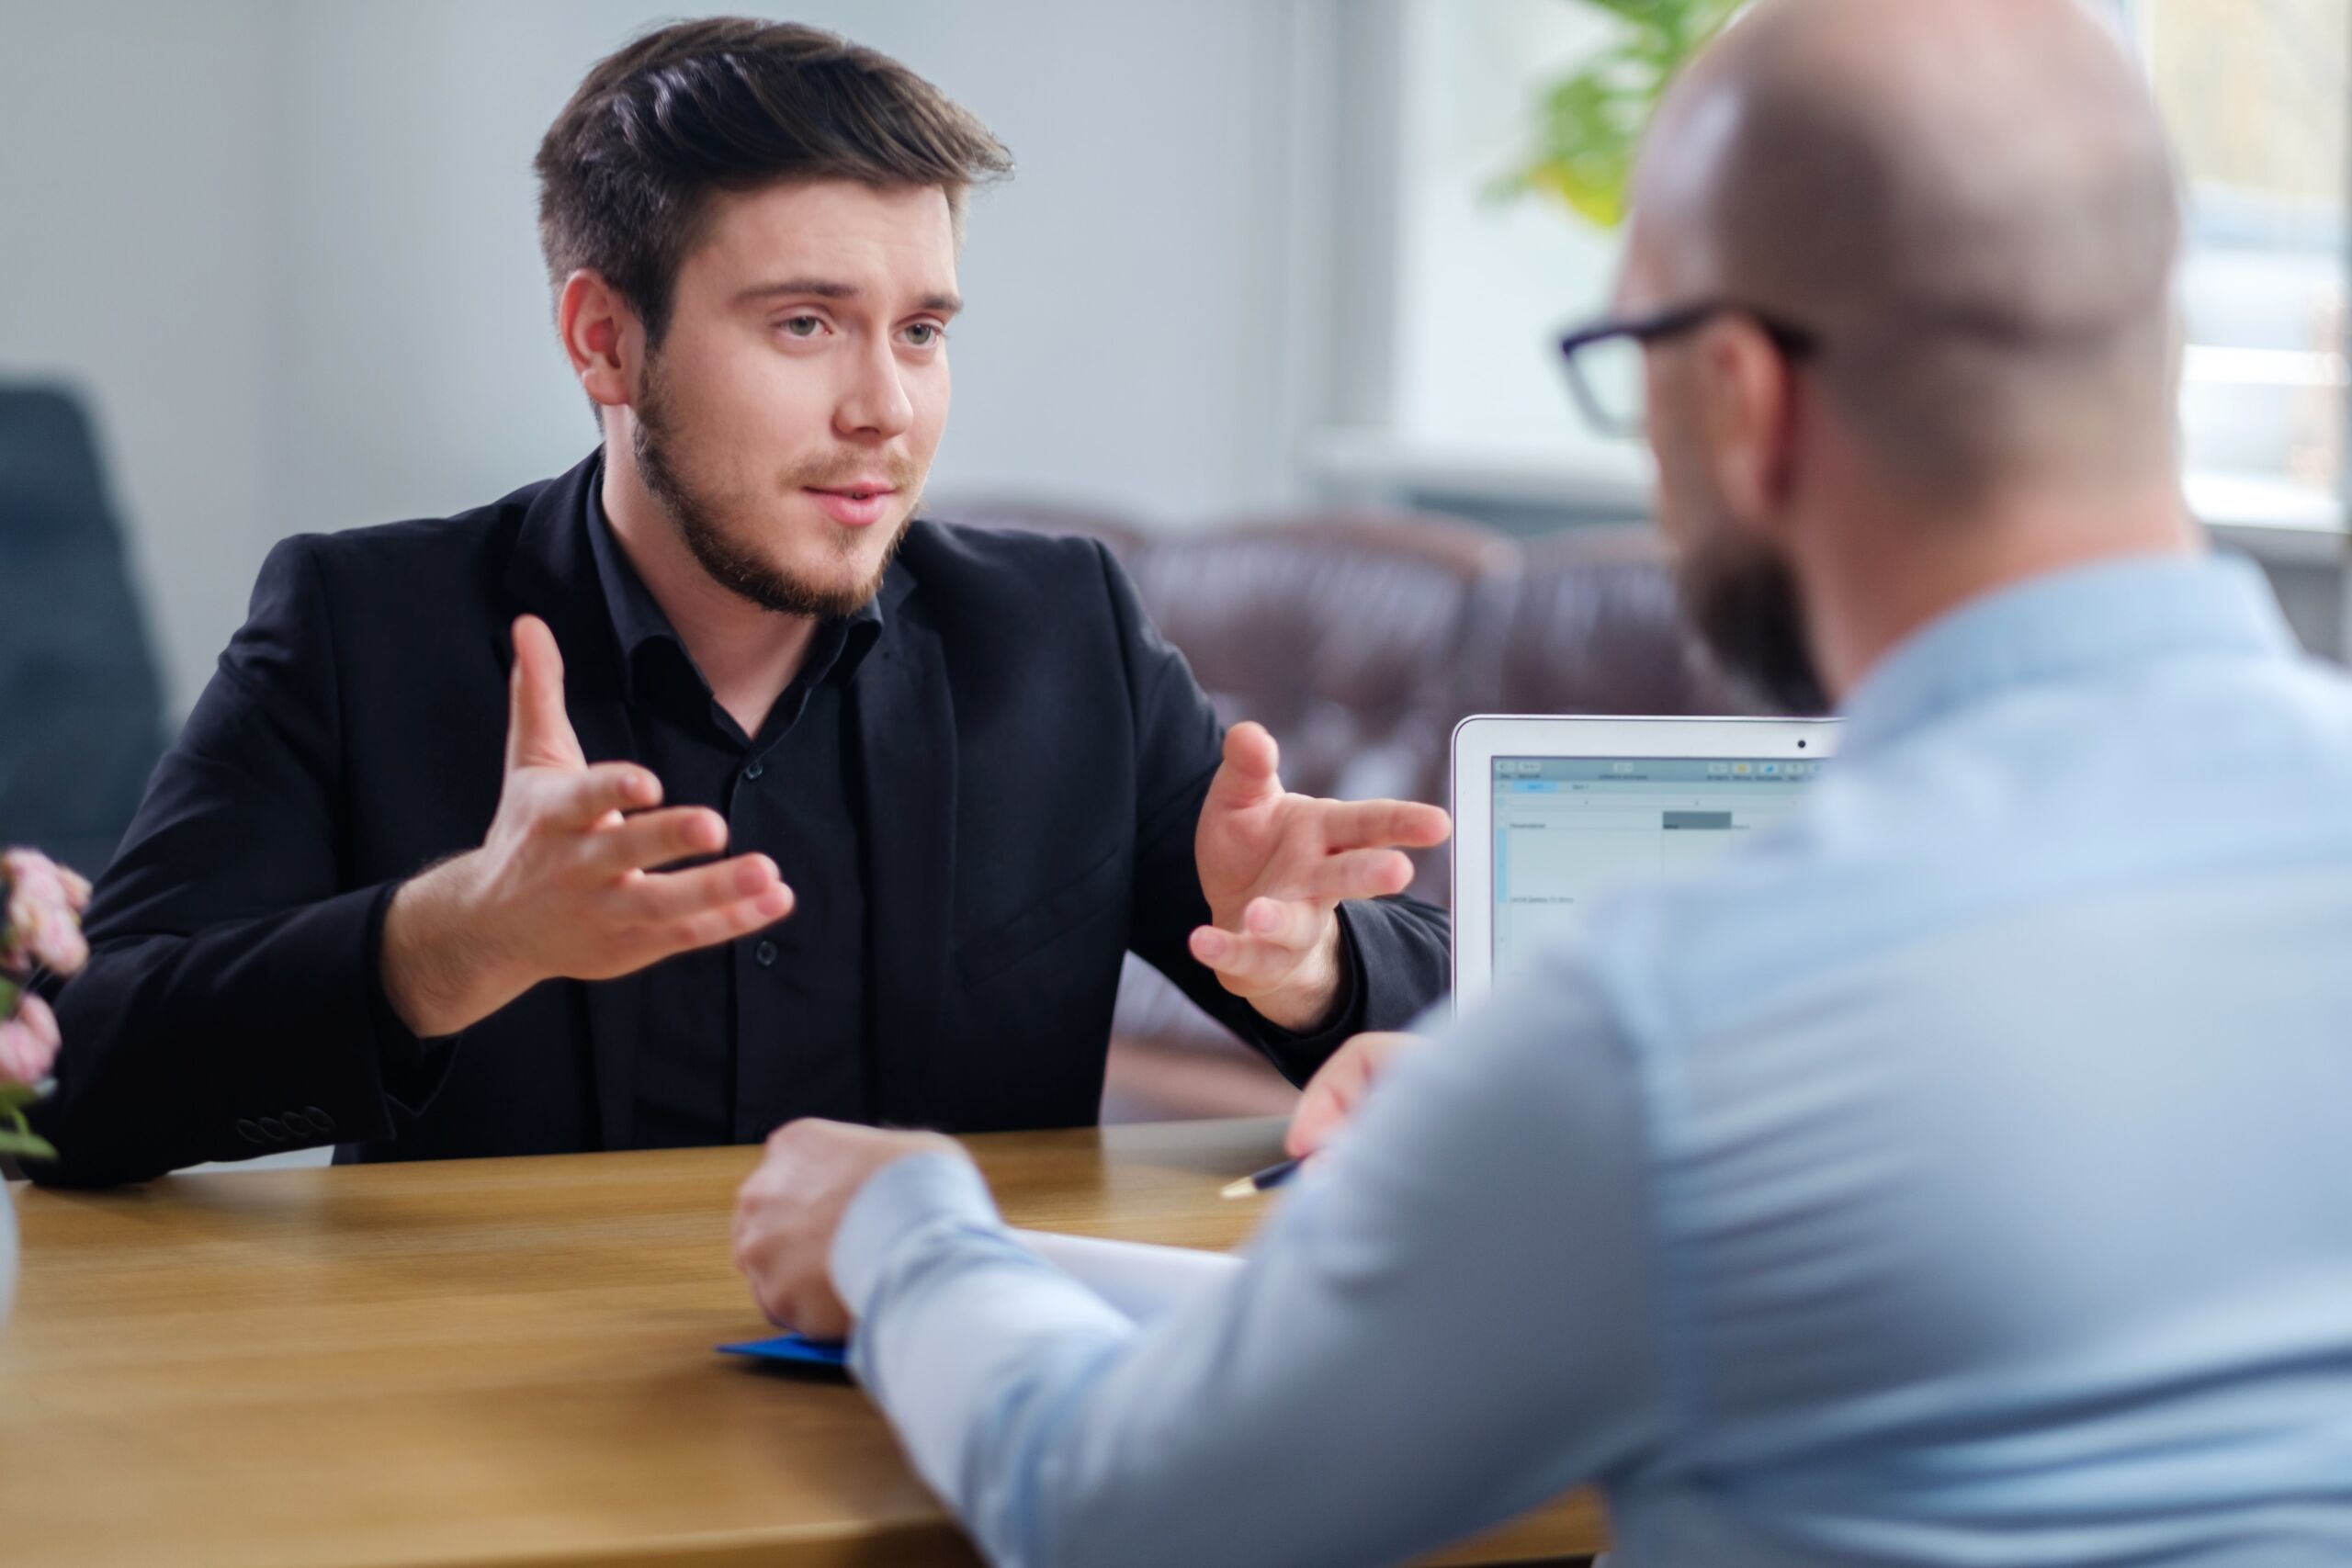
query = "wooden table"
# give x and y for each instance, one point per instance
(486, 1362)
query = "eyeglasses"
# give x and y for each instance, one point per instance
(1604, 359)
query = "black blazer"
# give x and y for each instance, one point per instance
(1034, 758)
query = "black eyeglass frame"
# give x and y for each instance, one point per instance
(1796, 343)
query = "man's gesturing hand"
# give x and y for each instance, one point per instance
(565, 884)
(1275, 867)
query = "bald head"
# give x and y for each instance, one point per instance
(1970, 202)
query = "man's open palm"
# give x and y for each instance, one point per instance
(1276, 866)
(569, 880)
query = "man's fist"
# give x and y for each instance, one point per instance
(787, 1212)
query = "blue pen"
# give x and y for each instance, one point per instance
(1272, 1176)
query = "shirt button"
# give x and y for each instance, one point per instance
(755, 770)
(765, 953)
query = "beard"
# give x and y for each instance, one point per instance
(1750, 613)
(1741, 598)
(732, 561)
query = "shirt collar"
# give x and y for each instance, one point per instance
(638, 619)
(2065, 624)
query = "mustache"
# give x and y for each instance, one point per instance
(836, 471)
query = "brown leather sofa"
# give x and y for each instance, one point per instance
(1361, 639)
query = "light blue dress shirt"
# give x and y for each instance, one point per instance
(1960, 1175)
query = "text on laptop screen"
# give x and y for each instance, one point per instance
(1566, 829)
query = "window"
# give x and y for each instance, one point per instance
(2254, 92)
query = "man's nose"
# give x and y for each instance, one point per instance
(875, 402)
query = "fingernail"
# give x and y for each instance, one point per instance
(775, 901)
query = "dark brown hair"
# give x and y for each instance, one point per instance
(627, 170)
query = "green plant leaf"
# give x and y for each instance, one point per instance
(1589, 121)
(1650, 13)
(26, 1146)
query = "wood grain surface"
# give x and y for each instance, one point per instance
(476, 1362)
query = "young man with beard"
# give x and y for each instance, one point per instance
(1958, 1176)
(716, 675)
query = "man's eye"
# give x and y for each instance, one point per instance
(803, 326)
(925, 334)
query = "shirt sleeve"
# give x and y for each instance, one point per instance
(1446, 1321)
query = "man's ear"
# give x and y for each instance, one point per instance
(1747, 410)
(601, 334)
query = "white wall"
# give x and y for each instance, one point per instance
(289, 248)
(140, 259)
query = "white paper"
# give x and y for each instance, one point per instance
(1138, 1279)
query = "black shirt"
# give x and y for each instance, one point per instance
(741, 1038)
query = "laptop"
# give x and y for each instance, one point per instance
(1549, 813)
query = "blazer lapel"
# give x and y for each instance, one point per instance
(905, 729)
(553, 575)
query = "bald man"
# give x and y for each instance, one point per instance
(1960, 1176)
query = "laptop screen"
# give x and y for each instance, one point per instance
(1567, 828)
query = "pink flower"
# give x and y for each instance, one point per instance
(28, 1043)
(41, 922)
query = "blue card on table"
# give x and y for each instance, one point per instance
(793, 1348)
